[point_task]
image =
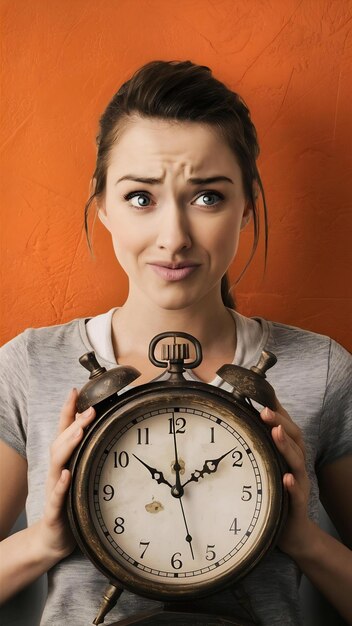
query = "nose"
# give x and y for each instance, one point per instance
(174, 231)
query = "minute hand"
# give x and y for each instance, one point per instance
(210, 466)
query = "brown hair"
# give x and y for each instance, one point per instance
(183, 91)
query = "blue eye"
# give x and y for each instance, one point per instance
(208, 198)
(138, 199)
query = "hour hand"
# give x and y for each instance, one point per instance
(155, 474)
(210, 466)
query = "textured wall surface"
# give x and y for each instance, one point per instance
(62, 61)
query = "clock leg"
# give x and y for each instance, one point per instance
(110, 597)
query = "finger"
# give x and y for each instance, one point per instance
(68, 410)
(64, 445)
(280, 409)
(57, 498)
(290, 425)
(292, 452)
(80, 421)
(273, 418)
(297, 495)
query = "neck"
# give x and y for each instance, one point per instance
(136, 323)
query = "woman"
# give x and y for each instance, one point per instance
(175, 183)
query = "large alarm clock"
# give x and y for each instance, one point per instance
(176, 487)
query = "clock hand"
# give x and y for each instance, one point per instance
(210, 466)
(177, 489)
(156, 475)
(188, 536)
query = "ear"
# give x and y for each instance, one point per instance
(100, 204)
(103, 216)
(247, 215)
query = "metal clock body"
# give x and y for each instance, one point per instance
(177, 487)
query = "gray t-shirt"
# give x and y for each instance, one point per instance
(312, 381)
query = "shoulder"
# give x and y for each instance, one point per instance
(305, 348)
(53, 336)
(285, 337)
(312, 370)
(39, 354)
(36, 342)
(38, 364)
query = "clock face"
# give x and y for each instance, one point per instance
(179, 492)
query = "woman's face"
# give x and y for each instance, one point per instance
(174, 205)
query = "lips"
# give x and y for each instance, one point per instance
(174, 271)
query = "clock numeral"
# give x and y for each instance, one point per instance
(180, 424)
(146, 544)
(212, 440)
(176, 563)
(237, 457)
(109, 492)
(209, 553)
(121, 459)
(234, 527)
(142, 436)
(246, 493)
(119, 525)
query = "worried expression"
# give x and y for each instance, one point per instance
(174, 204)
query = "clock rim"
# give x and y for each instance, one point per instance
(78, 499)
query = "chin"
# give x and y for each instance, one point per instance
(176, 301)
(174, 305)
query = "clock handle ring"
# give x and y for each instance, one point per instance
(175, 335)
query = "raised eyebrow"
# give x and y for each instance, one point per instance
(193, 181)
(140, 179)
(209, 180)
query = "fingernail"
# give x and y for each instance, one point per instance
(281, 434)
(268, 413)
(63, 476)
(87, 413)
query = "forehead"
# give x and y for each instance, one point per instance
(156, 143)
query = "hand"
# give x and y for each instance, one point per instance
(55, 534)
(289, 441)
(177, 489)
(156, 475)
(209, 467)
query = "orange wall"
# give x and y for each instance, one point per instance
(63, 60)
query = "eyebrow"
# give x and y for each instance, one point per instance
(194, 181)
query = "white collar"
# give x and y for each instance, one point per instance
(251, 336)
